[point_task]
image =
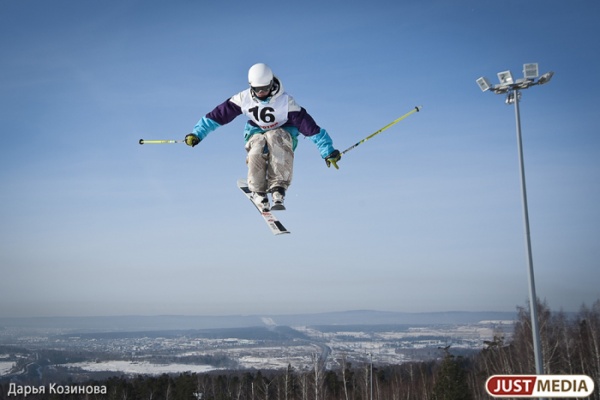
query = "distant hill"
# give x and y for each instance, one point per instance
(183, 322)
(370, 317)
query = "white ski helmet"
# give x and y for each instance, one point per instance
(260, 75)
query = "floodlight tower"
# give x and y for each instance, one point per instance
(512, 89)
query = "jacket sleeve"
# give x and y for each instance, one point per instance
(222, 114)
(323, 142)
(301, 119)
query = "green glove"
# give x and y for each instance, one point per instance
(333, 158)
(192, 139)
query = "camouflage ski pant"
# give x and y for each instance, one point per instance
(270, 160)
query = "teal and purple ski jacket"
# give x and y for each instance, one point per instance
(278, 110)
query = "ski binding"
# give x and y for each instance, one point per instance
(273, 223)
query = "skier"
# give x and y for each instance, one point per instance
(271, 134)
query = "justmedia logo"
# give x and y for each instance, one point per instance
(563, 386)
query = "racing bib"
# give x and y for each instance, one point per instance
(266, 116)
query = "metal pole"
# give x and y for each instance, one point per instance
(371, 376)
(539, 367)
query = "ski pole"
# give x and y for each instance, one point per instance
(142, 141)
(414, 110)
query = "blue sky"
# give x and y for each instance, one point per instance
(425, 217)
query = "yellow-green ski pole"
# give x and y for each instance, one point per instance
(414, 110)
(142, 141)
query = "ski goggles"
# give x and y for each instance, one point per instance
(258, 89)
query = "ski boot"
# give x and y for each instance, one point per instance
(261, 201)
(278, 195)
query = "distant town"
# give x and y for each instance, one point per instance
(79, 349)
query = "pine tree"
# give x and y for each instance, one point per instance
(451, 380)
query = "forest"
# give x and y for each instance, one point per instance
(570, 346)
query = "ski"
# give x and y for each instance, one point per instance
(273, 223)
